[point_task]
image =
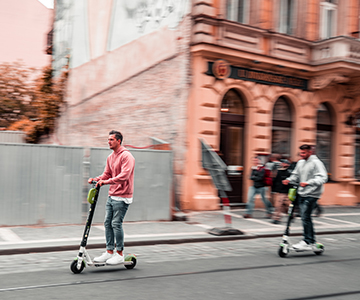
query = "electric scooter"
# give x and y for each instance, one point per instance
(285, 245)
(83, 258)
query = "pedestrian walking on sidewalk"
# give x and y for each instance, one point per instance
(258, 187)
(273, 165)
(310, 175)
(281, 197)
(119, 174)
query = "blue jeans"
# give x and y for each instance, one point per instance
(251, 199)
(115, 213)
(307, 204)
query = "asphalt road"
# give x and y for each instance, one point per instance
(243, 269)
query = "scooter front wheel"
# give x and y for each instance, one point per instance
(74, 268)
(283, 251)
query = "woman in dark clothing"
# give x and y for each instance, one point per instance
(257, 176)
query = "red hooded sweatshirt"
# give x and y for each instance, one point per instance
(119, 173)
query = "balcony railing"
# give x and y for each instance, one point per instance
(336, 49)
(270, 45)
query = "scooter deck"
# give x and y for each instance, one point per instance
(285, 249)
(308, 250)
(103, 264)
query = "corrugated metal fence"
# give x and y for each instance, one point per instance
(8, 136)
(152, 184)
(40, 184)
(46, 184)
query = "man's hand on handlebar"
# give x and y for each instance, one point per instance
(100, 183)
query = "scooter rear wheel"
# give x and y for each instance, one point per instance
(74, 269)
(320, 251)
(130, 257)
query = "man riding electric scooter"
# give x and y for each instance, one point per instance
(119, 174)
(310, 175)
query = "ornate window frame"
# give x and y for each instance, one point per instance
(232, 11)
(328, 18)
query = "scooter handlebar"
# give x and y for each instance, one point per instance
(94, 184)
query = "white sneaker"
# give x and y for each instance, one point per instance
(103, 257)
(115, 259)
(302, 246)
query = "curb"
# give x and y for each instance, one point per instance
(210, 238)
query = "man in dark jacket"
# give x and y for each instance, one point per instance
(281, 199)
(257, 176)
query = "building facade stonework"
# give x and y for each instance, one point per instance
(248, 77)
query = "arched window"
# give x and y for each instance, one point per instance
(281, 128)
(324, 135)
(357, 155)
(232, 142)
(232, 128)
(232, 103)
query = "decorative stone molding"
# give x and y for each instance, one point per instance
(355, 51)
(261, 150)
(347, 155)
(308, 141)
(353, 90)
(262, 124)
(308, 117)
(262, 111)
(212, 87)
(324, 81)
(308, 129)
(206, 104)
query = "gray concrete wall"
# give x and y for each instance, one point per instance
(47, 184)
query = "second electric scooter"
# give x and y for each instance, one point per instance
(83, 258)
(285, 245)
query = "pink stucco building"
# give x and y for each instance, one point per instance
(248, 77)
(24, 25)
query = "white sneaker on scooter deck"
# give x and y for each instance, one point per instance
(302, 246)
(103, 257)
(115, 259)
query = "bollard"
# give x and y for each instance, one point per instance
(226, 209)
(227, 230)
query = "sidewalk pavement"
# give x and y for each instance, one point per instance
(29, 239)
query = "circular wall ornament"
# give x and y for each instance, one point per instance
(221, 69)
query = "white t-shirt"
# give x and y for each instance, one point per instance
(126, 200)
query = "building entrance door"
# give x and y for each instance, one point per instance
(232, 144)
